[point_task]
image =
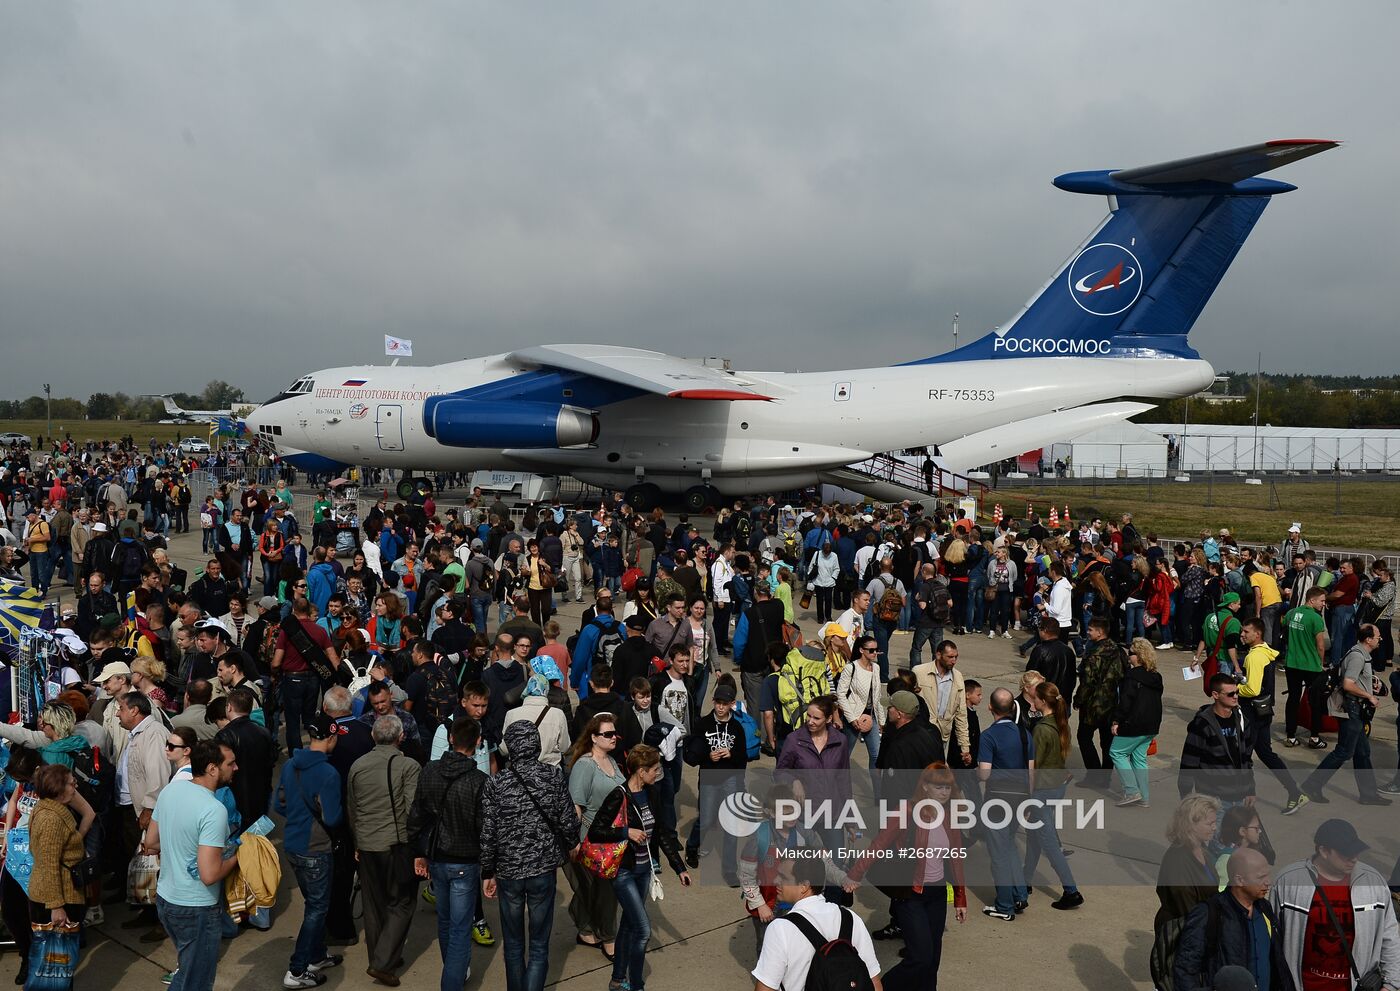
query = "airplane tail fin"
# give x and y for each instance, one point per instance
(1135, 286)
(171, 407)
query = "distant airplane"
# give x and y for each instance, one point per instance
(1108, 328)
(178, 415)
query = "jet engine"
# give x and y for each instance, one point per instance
(508, 424)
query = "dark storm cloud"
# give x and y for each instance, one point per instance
(249, 191)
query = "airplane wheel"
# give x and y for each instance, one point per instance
(409, 486)
(699, 498)
(643, 498)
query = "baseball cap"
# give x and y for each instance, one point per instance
(1296, 528)
(323, 727)
(905, 702)
(268, 602)
(1229, 598)
(111, 668)
(834, 630)
(1340, 835)
(725, 693)
(636, 622)
(110, 621)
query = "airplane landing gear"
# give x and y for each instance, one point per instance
(643, 497)
(408, 486)
(699, 498)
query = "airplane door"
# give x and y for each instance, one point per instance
(388, 427)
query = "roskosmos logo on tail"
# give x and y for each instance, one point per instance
(1105, 279)
(740, 814)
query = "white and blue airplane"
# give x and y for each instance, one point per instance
(1109, 328)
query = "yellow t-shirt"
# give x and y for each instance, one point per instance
(1266, 587)
(39, 537)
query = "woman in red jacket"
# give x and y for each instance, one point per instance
(1159, 601)
(920, 907)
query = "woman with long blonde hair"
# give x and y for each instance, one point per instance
(1136, 721)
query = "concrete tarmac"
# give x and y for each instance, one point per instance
(702, 936)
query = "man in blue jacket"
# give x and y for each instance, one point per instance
(604, 626)
(309, 796)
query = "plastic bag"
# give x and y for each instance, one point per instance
(141, 876)
(53, 957)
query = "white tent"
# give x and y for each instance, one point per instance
(1225, 448)
(1116, 450)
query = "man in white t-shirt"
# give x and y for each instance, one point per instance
(853, 619)
(787, 953)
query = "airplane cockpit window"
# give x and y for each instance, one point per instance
(300, 387)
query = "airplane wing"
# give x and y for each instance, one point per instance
(650, 371)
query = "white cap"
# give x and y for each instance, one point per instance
(1296, 528)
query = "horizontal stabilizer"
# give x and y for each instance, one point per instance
(1011, 439)
(1226, 166)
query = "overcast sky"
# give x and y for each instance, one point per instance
(250, 191)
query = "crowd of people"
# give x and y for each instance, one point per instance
(400, 691)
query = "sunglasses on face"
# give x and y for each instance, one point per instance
(607, 734)
(870, 650)
(175, 746)
(1230, 695)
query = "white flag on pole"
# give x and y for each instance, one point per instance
(398, 347)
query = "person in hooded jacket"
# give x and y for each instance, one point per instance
(309, 795)
(1136, 721)
(529, 826)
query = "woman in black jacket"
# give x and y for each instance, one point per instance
(638, 795)
(1136, 721)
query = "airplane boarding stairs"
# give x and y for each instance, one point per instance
(889, 478)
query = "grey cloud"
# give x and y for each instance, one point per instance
(252, 191)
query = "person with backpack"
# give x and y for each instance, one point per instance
(802, 677)
(933, 608)
(1236, 927)
(760, 626)
(1220, 742)
(718, 746)
(888, 596)
(818, 944)
(432, 696)
(596, 643)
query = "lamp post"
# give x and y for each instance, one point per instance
(48, 408)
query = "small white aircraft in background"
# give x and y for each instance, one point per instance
(1107, 329)
(178, 415)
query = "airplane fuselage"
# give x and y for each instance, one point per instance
(816, 420)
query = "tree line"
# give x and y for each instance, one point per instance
(1295, 401)
(120, 406)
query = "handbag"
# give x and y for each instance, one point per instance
(85, 872)
(604, 859)
(806, 601)
(989, 593)
(655, 890)
(53, 957)
(1373, 979)
(401, 855)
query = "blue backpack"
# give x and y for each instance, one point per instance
(751, 743)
